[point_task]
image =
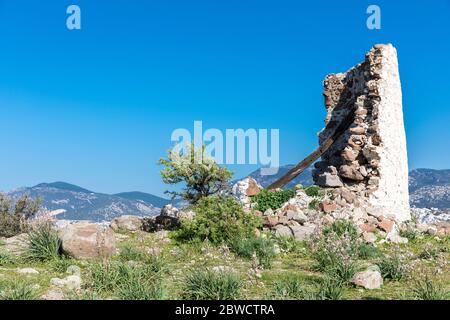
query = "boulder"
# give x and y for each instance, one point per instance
(296, 216)
(169, 211)
(369, 279)
(302, 233)
(126, 223)
(283, 231)
(329, 180)
(85, 240)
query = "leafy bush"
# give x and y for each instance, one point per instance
(201, 175)
(18, 290)
(272, 199)
(426, 289)
(13, 218)
(210, 285)
(392, 267)
(44, 244)
(263, 249)
(219, 219)
(312, 191)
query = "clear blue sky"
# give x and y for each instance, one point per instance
(96, 107)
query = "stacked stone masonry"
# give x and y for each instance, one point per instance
(367, 165)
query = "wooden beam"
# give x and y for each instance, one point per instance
(316, 154)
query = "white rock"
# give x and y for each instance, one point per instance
(27, 271)
(369, 279)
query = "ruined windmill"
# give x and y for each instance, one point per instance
(363, 146)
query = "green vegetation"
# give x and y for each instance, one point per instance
(219, 219)
(262, 249)
(200, 174)
(336, 251)
(312, 191)
(427, 289)
(17, 290)
(393, 267)
(44, 244)
(211, 285)
(127, 281)
(272, 199)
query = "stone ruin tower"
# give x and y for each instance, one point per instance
(367, 165)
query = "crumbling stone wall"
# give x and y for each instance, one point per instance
(368, 164)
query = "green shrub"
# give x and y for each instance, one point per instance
(367, 251)
(210, 285)
(44, 244)
(13, 219)
(426, 289)
(312, 191)
(392, 267)
(219, 219)
(272, 199)
(263, 249)
(18, 290)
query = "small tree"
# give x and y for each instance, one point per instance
(13, 218)
(201, 175)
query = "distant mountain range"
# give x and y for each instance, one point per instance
(70, 202)
(428, 189)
